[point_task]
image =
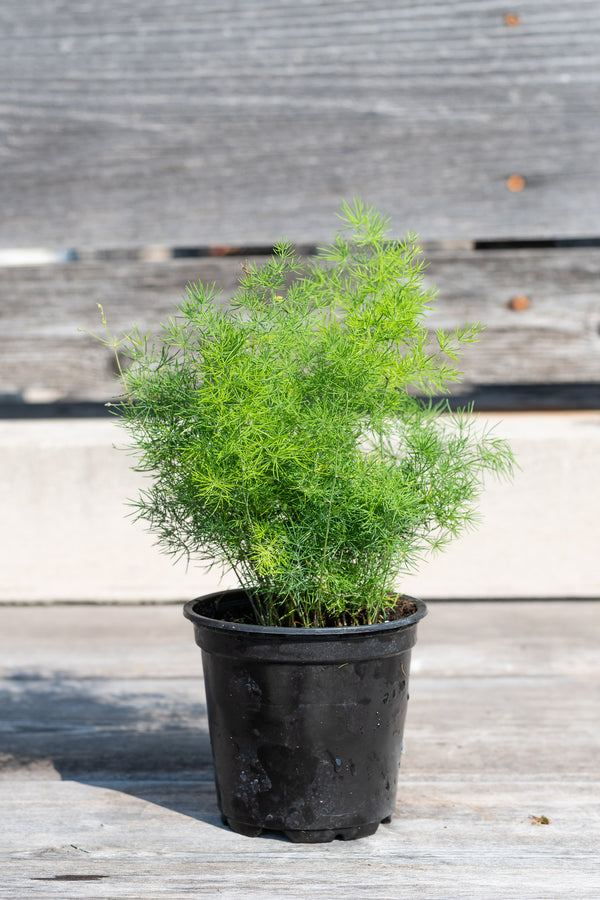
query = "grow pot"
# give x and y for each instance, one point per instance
(305, 724)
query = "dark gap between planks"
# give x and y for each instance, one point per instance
(149, 254)
(489, 398)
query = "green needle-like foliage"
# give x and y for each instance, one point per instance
(283, 436)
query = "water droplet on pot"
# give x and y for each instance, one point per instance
(337, 765)
(386, 697)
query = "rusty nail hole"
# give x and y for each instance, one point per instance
(520, 302)
(512, 19)
(515, 183)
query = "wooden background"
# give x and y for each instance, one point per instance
(140, 139)
(144, 144)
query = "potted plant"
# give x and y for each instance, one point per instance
(291, 437)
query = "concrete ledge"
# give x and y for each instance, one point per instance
(65, 535)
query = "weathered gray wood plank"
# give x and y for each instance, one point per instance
(500, 706)
(80, 729)
(195, 122)
(493, 725)
(555, 339)
(471, 838)
(133, 642)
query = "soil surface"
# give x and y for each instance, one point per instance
(244, 615)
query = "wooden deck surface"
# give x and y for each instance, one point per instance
(106, 785)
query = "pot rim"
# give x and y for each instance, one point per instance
(302, 632)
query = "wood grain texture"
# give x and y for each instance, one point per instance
(100, 642)
(453, 840)
(555, 340)
(106, 789)
(115, 728)
(197, 123)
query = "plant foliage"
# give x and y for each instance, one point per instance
(283, 436)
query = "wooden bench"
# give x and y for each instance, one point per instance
(145, 145)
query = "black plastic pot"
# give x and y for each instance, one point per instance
(305, 724)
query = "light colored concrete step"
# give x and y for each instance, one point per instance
(65, 535)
